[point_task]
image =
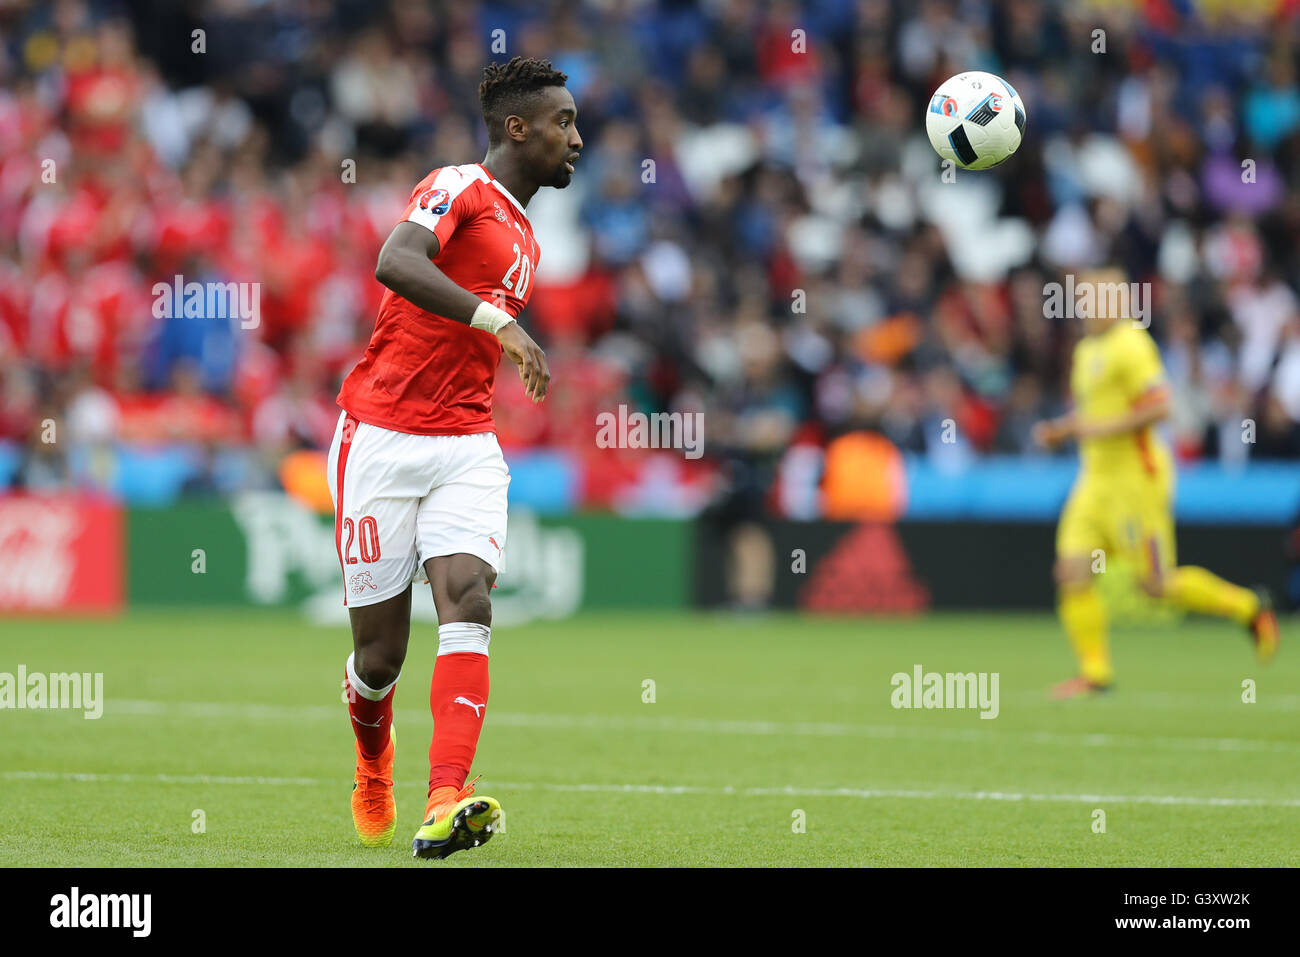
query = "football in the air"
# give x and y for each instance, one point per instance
(975, 119)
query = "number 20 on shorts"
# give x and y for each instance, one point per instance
(366, 533)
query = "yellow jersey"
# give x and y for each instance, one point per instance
(1113, 372)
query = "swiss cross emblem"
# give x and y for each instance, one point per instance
(499, 212)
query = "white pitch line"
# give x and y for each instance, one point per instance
(974, 735)
(907, 794)
(1164, 701)
(91, 777)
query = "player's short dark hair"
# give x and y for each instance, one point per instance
(507, 89)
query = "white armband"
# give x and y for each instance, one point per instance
(490, 318)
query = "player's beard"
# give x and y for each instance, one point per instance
(561, 177)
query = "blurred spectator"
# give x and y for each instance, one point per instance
(758, 227)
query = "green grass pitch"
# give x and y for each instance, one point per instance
(757, 723)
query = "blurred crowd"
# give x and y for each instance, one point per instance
(758, 228)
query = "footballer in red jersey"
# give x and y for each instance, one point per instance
(417, 476)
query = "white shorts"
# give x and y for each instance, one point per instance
(401, 499)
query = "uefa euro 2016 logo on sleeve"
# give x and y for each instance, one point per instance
(435, 201)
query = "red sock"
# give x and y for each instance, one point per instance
(458, 698)
(371, 720)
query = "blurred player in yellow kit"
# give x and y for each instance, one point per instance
(1122, 499)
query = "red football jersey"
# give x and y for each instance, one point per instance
(426, 374)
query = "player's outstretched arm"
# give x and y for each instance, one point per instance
(405, 267)
(1150, 408)
(1052, 433)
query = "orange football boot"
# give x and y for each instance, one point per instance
(374, 812)
(1074, 687)
(1263, 628)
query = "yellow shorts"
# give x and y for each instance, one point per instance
(1128, 520)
